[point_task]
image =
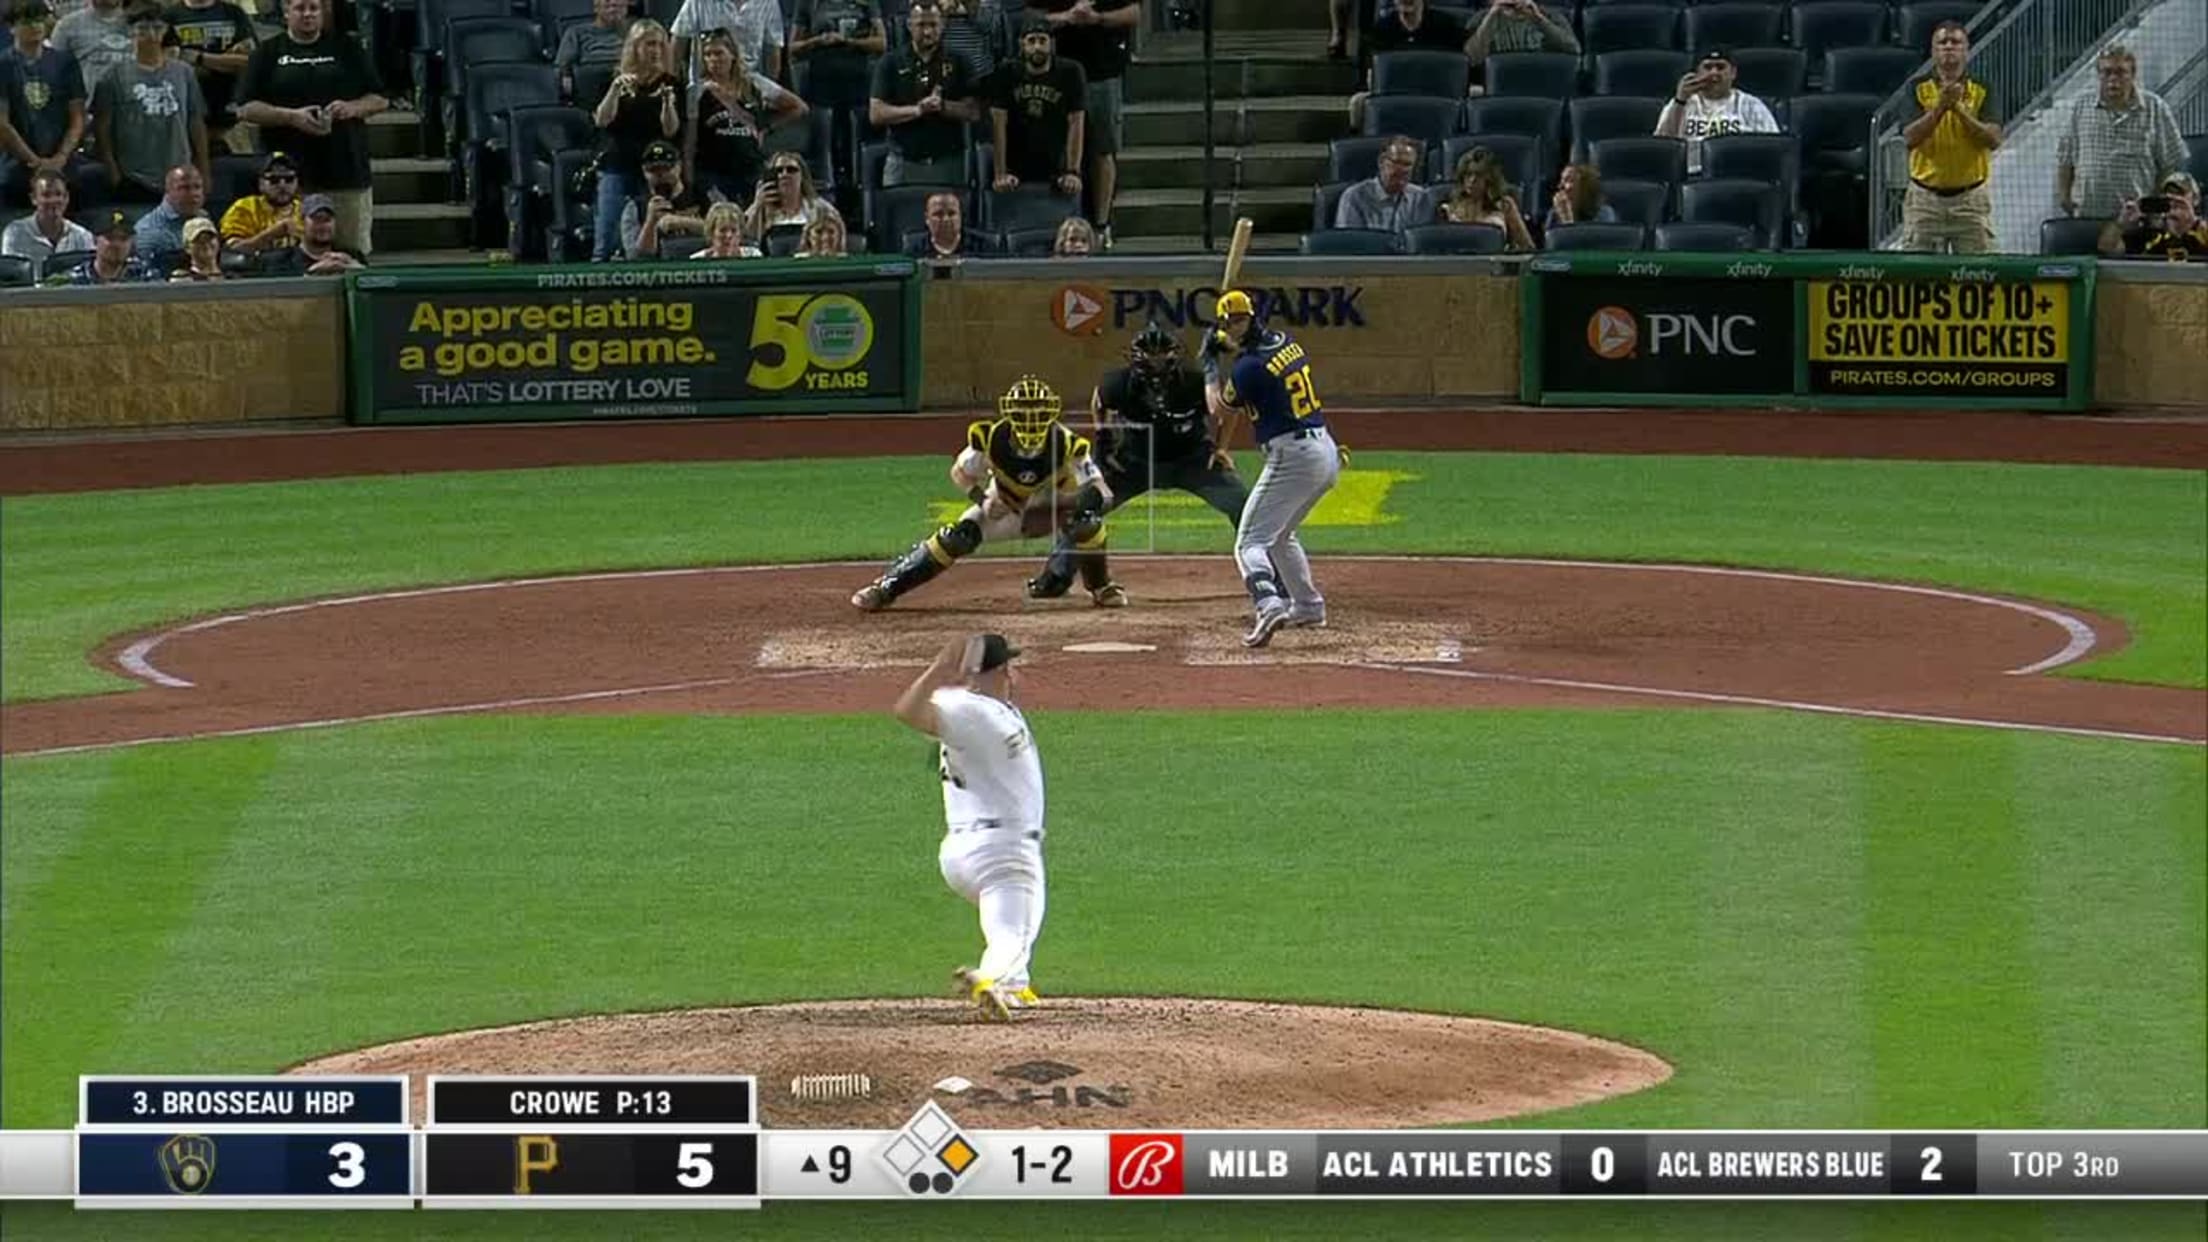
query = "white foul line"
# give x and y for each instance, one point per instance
(1750, 700)
(137, 658)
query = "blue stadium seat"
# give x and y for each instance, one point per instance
(1834, 131)
(1876, 71)
(1354, 159)
(1324, 200)
(554, 16)
(1640, 159)
(1024, 208)
(893, 213)
(1524, 160)
(1599, 117)
(1350, 242)
(1755, 157)
(1595, 235)
(1455, 239)
(1771, 73)
(2197, 144)
(1686, 236)
(1913, 23)
(1442, 75)
(1029, 243)
(1646, 203)
(1540, 119)
(1427, 120)
(1623, 27)
(2071, 235)
(1733, 25)
(1646, 71)
(1821, 25)
(1753, 205)
(1550, 75)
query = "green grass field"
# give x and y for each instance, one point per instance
(1821, 922)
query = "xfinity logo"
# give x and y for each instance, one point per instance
(1615, 334)
(1758, 270)
(1854, 272)
(1972, 273)
(1635, 267)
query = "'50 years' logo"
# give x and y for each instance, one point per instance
(816, 339)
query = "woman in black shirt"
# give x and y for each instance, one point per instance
(642, 106)
(734, 109)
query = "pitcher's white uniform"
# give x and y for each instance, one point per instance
(992, 852)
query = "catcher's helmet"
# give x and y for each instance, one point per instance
(1154, 351)
(1031, 406)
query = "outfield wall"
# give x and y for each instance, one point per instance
(1427, 331)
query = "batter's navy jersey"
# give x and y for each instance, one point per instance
(1273, 381)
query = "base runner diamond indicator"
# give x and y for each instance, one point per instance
(929, 1153)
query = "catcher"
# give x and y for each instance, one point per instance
(1028, 476)
(1152, 431)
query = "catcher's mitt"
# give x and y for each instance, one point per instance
(1044, 514)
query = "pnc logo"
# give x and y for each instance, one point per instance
(1146, 1164)
(1079, 309)
(1612, 333)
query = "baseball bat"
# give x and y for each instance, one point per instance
(1237, 250)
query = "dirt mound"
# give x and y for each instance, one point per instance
(1086, 1063)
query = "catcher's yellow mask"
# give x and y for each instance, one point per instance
(1031, 406)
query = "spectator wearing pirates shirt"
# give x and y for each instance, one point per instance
(1706, 104)
(1038, 104)
(42, 109)
(215, 38)
(318, 88)
(924, 97)
(148, 114)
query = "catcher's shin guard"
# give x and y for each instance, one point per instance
(1089, 557)
(931, 556)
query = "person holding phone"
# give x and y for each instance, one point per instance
(1706, 104)
(725, 150)
(642, 108)
(2163, 225)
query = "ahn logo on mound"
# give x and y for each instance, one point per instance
(1078, 310)
(1681, 335)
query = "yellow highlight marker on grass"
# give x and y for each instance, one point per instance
(1359, 498)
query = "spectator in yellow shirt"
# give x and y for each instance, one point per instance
(269, 220)
(1950, 154)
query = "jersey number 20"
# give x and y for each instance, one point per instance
(1302, 397)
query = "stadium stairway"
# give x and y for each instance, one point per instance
(1279, 101)
(415, 220)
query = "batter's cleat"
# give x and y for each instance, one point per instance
(1110, 595)
(1048, 586)
(1307, 618)
(1268, 621)
(873, 597)
(994, 1002)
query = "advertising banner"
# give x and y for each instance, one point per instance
(635, 341)
(1797, 329)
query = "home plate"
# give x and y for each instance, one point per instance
(1108, 648)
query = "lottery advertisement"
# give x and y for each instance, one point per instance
(644, 341)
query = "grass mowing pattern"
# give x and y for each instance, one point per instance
(82, 567)
(355, 890)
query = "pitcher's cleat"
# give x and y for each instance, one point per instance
(1307, 619)
(1026, 998)
(1110, 595)
(870, 598)
(995, 1005)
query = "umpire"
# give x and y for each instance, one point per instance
(1152, 432)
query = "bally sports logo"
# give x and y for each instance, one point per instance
(1146, 1164)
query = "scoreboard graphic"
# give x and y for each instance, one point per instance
(525, 1142)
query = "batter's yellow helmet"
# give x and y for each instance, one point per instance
(1031, 406)
(1234, 302)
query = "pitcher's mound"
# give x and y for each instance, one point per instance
(1084, 1062)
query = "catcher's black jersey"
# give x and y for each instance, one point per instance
(1064, 457)
(1172, 408)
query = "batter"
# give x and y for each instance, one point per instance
(1269, 379)
(992, 851)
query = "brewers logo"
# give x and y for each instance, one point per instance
(187, 1163)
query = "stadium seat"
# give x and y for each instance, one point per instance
(533, 134)
(1682, 235)
(592, 81)
(1428, 120)
(1599, 117)
(1833, 130)
(1771, 74)
(1441, 75)
(1596, 235)
(1354, 159)
(892, 213)
(1661, 160)
(2197, 144)
(554, 16)
(431, 18)
(1549, 75)
(1645, 203)
(1733, 25)
(2071, 235)
(1455, 239)
(986, 245)
(1913, 23)
(567, 237)
(1540, 119)
(1525, 162)
(1756, 157)
(66, 263)
(680, 247)
(16, 272)
(1652, 72)
(1821, 25)
(1754, 205)
(1350, 242)
(1325, 199)
(235, 177)
(1029, 243)
(1623, 27)
(1025, 208)
(494, 91)
(1876, 71)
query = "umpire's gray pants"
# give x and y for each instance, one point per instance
(1298, 470)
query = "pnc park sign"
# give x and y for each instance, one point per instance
(1086, 310)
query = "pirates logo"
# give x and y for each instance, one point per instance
(36, 94)
(187, 1163)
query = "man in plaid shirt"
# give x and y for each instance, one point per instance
(2118, 145)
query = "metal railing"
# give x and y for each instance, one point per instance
(2021, 52)
(2187, 93)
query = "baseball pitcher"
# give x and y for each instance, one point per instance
(1027, 475)
(1267, 376)
(1152, 431)
(992, 851)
